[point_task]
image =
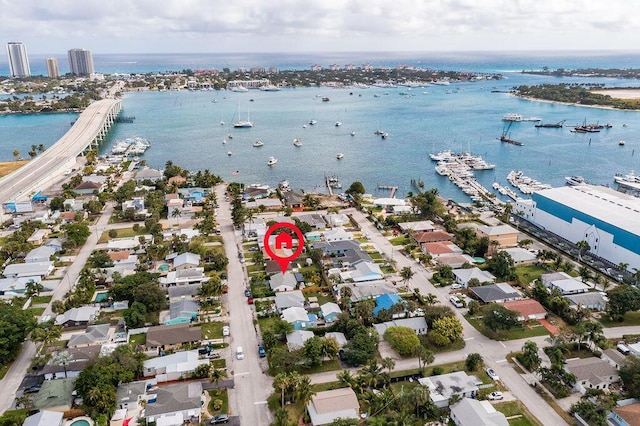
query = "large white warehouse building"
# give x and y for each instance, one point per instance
(607, 219)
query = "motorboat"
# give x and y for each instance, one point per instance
(325, 99)
(339, 156)
(621, 143)
(229, 153)
(338, 123)
(224, 141)
(353, 133)
(258, 144)
(512, 117)
(630, 180)
(272, 161)
(296, 142)
(574, 180)
(312, 122)
(284, 185)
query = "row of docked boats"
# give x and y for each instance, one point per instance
(503, 190)
(628, 181)
(474, 162)
(525, 184)
(459, 168)
(130, 147)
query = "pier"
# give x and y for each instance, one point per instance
(328, 183)
(393, 189)
(418, 185)
(87, 132)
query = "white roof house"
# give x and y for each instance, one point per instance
(471, 412)
(337, 219)
(417, 324)
(176, 364)
(186, 260)
(288, 299)
(183, 277)
(40, 254)
(564, 282)
(385, 202)
(520, 255)
(464, 275)
(337, 234)
(76, 316)
(44, 418)
(18, 270)
(294, 314)
(283, 282)
(443, 386)
(296, 339)
(327, 406)
(330, 311)
(127, 243)
(420, 226)
(10, 287)
(362, 271)
(338, 336)
(368, 289)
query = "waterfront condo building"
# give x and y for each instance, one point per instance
(80, 62)
(18, 60)
(608, 220)
(52, 68)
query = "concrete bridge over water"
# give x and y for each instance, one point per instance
(87, 132)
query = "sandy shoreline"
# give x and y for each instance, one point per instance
(619, 93)
(529, 98)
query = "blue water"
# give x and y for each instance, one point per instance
(185, 126)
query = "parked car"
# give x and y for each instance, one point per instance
(456, 302)
(491, 373)
(250, 300)
(247, 292)
(261, 351)
(219, 418)
(239, 352)
(226, 331)
(455, 287)
(494, 396)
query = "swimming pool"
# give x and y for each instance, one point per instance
(164, 267)
(81, 422)
(102, 296)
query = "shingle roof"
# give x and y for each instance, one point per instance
(525, 307)
(173, 398)
(173, 335)
(493, 292)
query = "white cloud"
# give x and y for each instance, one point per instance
(328, 25)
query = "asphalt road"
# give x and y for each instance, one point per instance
(248, 399)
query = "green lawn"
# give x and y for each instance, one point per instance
(219, 363)
(332, 365)
(138, 339)
(220, 394)
(376, 256)
(253, 268)
(534, 329)
(267, 323)
(36, 312)
(527, 274)
(122, 233)
(400, 240)
(631, 318)
(3, 370)
(513, 409)
(322, 298)
(37, 300)
(212, 330)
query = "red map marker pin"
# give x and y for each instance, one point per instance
(283, 239)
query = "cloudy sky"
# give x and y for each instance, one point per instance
(166, 26)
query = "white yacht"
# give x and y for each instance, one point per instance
(296, 142)
(258, 144)
(574, 180)
(339, 156)
(272, 161)
(229, 153)
(312, 122)
(338, 123)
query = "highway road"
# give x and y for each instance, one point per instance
(248, 398)
(55, 159)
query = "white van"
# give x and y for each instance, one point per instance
(239, 352)
(623, 349)
(456, 302)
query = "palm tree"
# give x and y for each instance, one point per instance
(303, 391)
(406, 273)
(33, 288)
(430, 299)
(371, 373)
(583, 247)
(388, 363)
(345, 297)
(176, 213)
(63, 359)
(16, 154)
(281, 383)
(420, 397)
(425, 356)
(281, 417)
(41, 148)
(623, 266)
(345, 378)
(216, 375)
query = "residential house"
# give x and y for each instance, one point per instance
(44, 418)
(296, 339)
(563, 282)
(136, 204)
(81, 316)
(73, 205)
(101, 179)
(181, 277)
(527, 309)
(501, 236)
(299, 318)
(337, 234)
(273, 267)
(93, 335)
(521, 256)
(362, 270)
(634, 348)
(88, 188)
(127, 243)
(129, 395)
(256, 191)
(186, 261)
(330, 312)
(592, 373)
(174, 366)
(288, 299)
(592, 300)
(626, 415)
(498, 293)
(165, 337)
(388, 203)
(314, 220)
(40, 254)
(79, 359)
(432, 237)
(471, 412)
(55, 395)
(182, 311)
(367, 290)
(614, 357)
(327, 406)
(444, 386)
(441, 249)
(176, 180)
(194, 195)
(55, 243)
(10, 287)
(175, 404)
(35, 269)
(268, 203)
(336, 220)
(417, 227)
(123, 259)
(339, 337)
(148, 174)
(188, 233)
(38, 237)
(455, 261)
(463, 276)
(417, 324)
(294, 199)
(387, 301)
(283, 282)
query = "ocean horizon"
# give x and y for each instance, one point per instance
(184, 126)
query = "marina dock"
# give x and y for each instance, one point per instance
(393, 189)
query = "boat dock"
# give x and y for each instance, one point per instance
(393, 189)
(328, 183)
(525, 184)
(418, 185)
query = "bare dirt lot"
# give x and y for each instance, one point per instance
(620, 93)
(7, 167)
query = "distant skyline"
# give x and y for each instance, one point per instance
(307, 26)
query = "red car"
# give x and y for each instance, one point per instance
(250, 300)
